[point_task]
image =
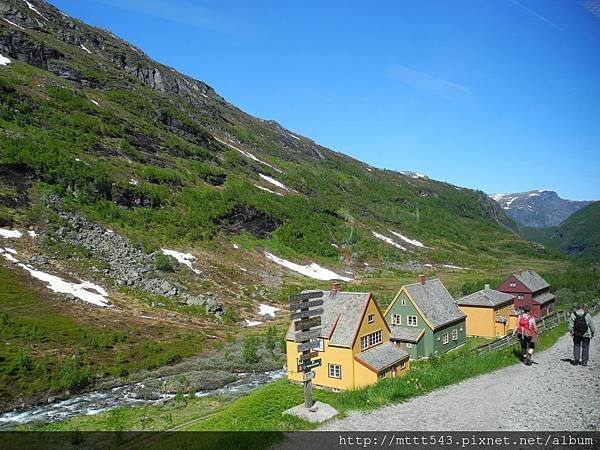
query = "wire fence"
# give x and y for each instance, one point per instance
(544, 324)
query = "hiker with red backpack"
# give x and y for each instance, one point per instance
(582, 329)
(526, 330)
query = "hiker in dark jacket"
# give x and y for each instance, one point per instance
(582, 329)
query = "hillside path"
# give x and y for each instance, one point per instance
(565, 397)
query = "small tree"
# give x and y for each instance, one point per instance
(250, 348)
(270, 338)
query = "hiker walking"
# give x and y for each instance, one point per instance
(582, 329)
(526, 330)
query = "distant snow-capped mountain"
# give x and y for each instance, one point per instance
(539, 209)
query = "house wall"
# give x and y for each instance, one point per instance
(367, 328)
(480, 320)
(331, 354)
(416, 351)
(389, 372)
(518, 289)
(364, 375)
(439, 346)
(425, 344)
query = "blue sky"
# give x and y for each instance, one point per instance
(497, 95)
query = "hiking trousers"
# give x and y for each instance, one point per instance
(581, 349)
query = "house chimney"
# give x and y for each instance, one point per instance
(335, 288)
(486, 286)
(421, 279)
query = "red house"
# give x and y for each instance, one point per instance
(531, 290)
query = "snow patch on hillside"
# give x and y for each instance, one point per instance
(10, 234)
(312, 270)
(273, 181)
(450, 266)
(247, 154)
(252, 323)
(83, 47)
(408, 240)
(186, 259)
(4, 60)
(268, 190)
(295, 137)
(14, 24)
(266, 310)
(94, 102)
(387, 240)
(31, 7)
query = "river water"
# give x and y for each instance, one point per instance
(127, 395)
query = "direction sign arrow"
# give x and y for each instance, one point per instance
(305, 305)
(310, 345)
(305, 296)
(307, 314)
(308, 356)
(309, 376)
(307, 324)
(305, 336)
(310, 364)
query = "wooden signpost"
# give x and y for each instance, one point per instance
(307, 324)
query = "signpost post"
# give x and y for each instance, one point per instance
(307, 324)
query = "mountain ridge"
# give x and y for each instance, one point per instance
(539, 208)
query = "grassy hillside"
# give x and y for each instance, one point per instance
(578, 236)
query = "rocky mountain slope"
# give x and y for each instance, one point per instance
(579, 235)
(538, 209)
(181, 216)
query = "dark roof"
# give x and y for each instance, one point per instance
(382, 356)
(531, 280)
(485, 297)
(500, 319)
(404, 333)
(544, 298)
(435, 302)
(341, 316)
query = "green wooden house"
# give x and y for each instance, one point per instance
(424, 320)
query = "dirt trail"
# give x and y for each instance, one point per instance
(563, 397)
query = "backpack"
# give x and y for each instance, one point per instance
(580, 325)
(524, 329)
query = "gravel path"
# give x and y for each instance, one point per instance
(564, 397)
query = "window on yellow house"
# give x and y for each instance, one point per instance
(411, 321)
(402, 364)
(371, 340)
(335, 371)
(396, 319)
(371, 318)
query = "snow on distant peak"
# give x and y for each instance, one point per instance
(273, 181)
(4, 60)
(14, 24)
(408, 240)
(83, 47)
(388, 240)
(10, 234)
(415, 175)
(295, 137)
(182, 258)
(31, 7)
(312, 270)
(498, 197)
(246, 154)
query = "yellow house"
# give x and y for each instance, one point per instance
(355, 346)
(488, 312)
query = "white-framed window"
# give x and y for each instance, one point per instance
(403, 302)
(396, 319)
(513, 284)
(364, 342)
(520, 296)
(402, 364)
(408, 345)
(411, 321)
(455, 335)
(371, 318)
(445, 338)
(335, 371)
